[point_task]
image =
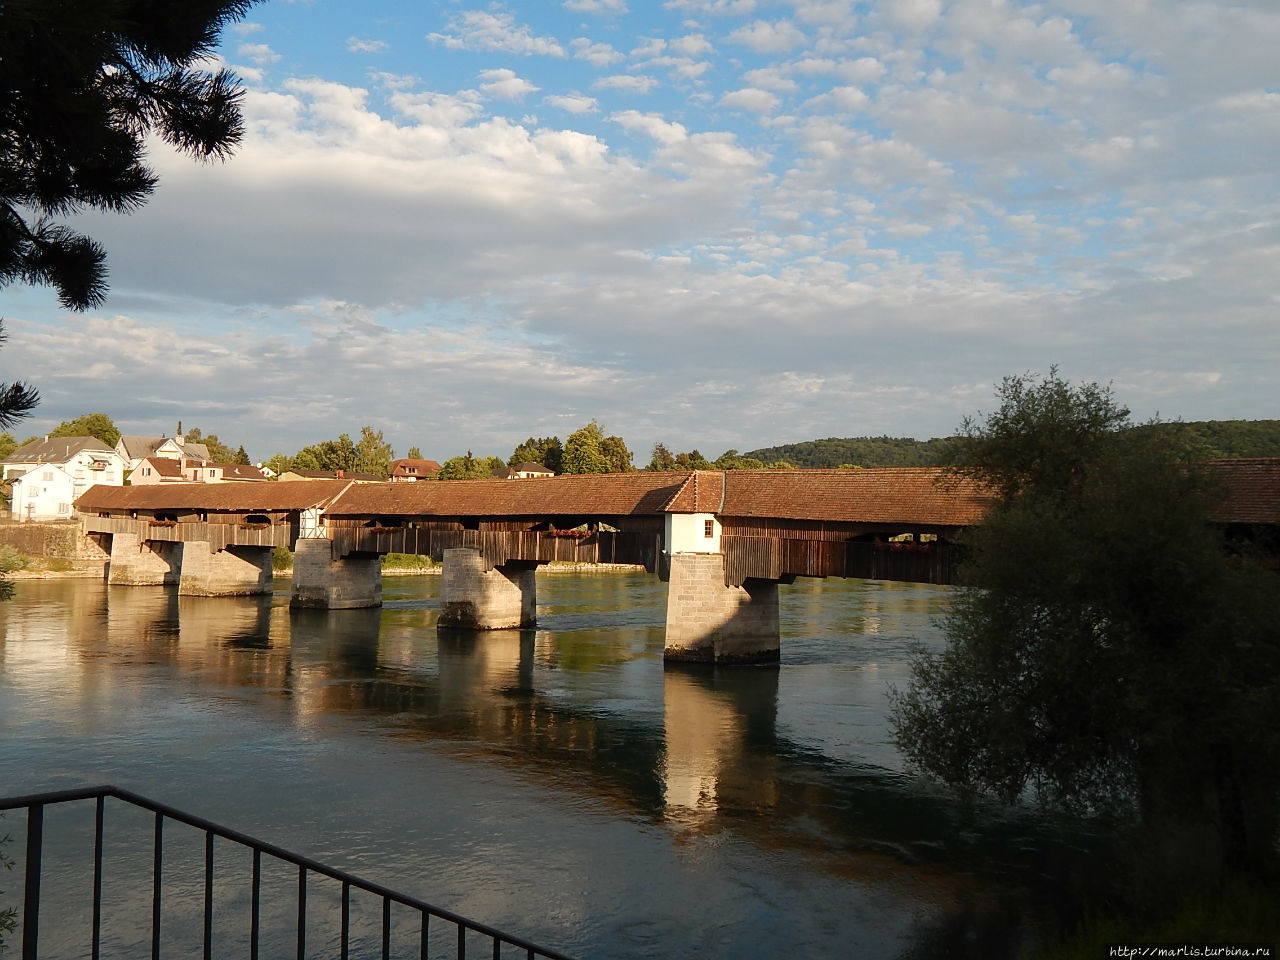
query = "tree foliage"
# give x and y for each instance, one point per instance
(85, 86)
(469, 467)
(1107, 655)
(97, 425)
(219, 452)
(414, 454)
(547, 451)
(373, 454)
(16, 399)
(588, 450)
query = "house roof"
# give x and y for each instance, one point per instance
(163, 466)
(137, 448)
(242, 497)
(1252, 490)
(238, 471)
(424, 468)
(530, 467)
(56, 449)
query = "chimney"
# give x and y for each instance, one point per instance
(341, 473)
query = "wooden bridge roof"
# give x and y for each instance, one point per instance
(241, 497)
(1253, 490)
(598, 494)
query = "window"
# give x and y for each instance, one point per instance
(64, 508)
(48, 475)
(708, 528)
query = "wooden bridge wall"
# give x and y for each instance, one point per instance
(499, 546)
(218, 535)
(774, 558)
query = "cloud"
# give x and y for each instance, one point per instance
(573, 103)
(503, 84)
(614, 7)
(765, 37)
(630, 83)
(596, 54)
(752, 99)
(357, 45)
(480, 30)
(259, 54)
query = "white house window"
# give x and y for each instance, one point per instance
(48, 475)
(708, 528)
(64, 508)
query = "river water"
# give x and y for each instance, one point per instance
(560, 784)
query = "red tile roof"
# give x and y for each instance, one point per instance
(298, 495)
(1253, 490)
(593, 494)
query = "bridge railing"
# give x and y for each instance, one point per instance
(218, 535)
(439, 932)
(772, 558)
(499, 546)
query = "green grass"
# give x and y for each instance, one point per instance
(407, 561)
(11, 558)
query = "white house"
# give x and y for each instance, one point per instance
(136, 449)
(46, 476)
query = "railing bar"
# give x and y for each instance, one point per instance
(462, 942)
(386, 928)
(302, 913)
(96, 947)
(255, 904)
(426, 922)
(31, 891)
(302, 862)
(497, 949)
(208, 895)
(346, 918)
(156, 871)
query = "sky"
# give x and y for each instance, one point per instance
(711, 223)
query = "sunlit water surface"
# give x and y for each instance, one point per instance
(559, 783)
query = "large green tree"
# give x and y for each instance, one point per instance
(588, 450)
(90, 425)
(547, 451)
(469, 467)
(1105, 653)
(373, 454)
(84, 84)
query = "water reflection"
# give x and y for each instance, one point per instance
(781, 777)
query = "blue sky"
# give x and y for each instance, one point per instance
(712, 223)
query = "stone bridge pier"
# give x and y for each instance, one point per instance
(138, 562)
(233, 571)
(711, 622)
(475, 596)
(327, 582)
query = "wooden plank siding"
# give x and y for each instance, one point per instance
(775, 558)
(217, 534)
(499, 546)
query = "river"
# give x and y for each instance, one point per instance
(560, 784)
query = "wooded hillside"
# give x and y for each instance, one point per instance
(1204, 440)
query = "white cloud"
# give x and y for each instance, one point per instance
(258, 53)
(630, 83)
(357, 45)
(573, 103)
(505, 85)
(479, 30)
(616, 7)
(750, 98)
(652, 125)
(763, 36)
(596, 54)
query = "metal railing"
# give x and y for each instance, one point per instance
(457, 934)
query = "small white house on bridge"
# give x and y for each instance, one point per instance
(47, 475)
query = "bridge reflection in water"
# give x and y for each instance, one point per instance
(777, 782)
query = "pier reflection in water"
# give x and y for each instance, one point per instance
(559, 783)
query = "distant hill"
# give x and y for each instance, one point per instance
(1202, 440)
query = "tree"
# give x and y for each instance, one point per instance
(373, 454)
(414, 453)
(90, 425)
(469, 468)
(85, 86)
(278, 463)
(588, 450)
(1107, 655)
(662, 460)
(7, 444)
(219, 452)
(241, 456)
(547, 451)
(16, 399)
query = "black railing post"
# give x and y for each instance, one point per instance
(208, 895)
(255, 906)
(346, 917)
(96, 950)
(31, 894)
(156, 871)
(302, 913)
(386, 928)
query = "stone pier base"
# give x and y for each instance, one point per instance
(138, 562)
(710, 622)
(321, 581)
(476, 597)
(233, 572)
